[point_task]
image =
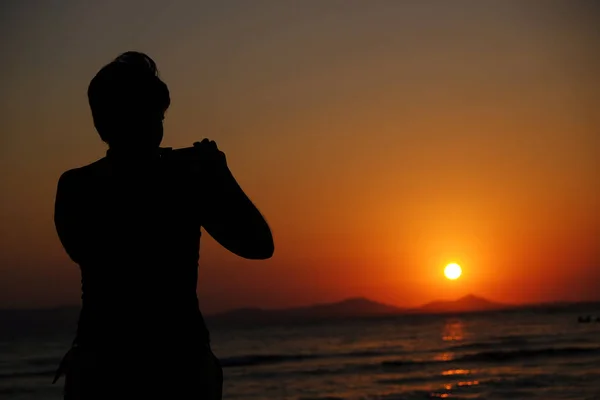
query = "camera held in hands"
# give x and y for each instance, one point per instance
(201, 154)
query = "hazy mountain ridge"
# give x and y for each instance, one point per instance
(356, 307)
(352, 307)
(361, 307)
(464, 304)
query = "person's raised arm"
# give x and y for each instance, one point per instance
(229, 216)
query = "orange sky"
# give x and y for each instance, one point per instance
(382, 140)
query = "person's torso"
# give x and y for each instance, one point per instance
(141, 229)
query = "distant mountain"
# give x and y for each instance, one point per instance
(358, 306)
(468, 303)
(353, 307)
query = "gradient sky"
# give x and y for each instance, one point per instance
(381, 139)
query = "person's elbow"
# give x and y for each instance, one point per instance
(251, 245)
(267, 250)
(261, 250)
(261, 245)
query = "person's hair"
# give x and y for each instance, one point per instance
(125, 94)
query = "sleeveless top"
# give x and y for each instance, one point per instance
(133, 226)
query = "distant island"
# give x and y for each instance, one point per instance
(469, 303)
(355, 308)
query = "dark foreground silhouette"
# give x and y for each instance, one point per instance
(132, 222)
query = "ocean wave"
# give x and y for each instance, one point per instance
(512, 386)
(408, 363)
(15, 390)
(27, 374)
(410, 379)
(541, 380)
(321, 398)
(44, 361)
(324, 371)
(474, 346)
(511, 355)
(418, 395)
(496, 356)
(521, 341)
(264, 359)
(490, 344)
(521, 338)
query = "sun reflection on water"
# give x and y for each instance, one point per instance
(468, 383)
(445, 356)
(453, 331)
(456, 372)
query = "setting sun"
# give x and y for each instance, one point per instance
(452, 271)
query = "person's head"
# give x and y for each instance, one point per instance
(128, 102)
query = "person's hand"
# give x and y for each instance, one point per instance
(209, 153)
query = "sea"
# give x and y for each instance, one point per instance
(518, 354)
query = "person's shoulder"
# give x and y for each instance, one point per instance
(84, 173)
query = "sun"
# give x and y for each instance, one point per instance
(452, 271)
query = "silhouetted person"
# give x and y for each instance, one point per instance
(132, 220)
